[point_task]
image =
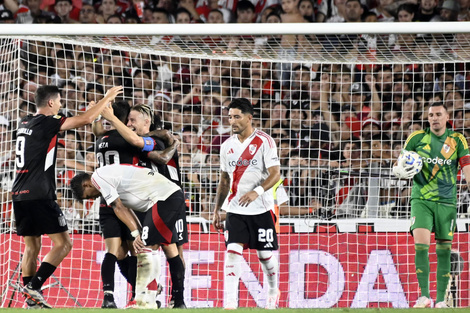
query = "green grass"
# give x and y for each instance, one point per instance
(256, 310)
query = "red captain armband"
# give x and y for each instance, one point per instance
(464, 161)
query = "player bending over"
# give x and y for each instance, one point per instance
(127, 188)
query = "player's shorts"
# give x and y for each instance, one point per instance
(254, 231)
(112, 226)
(159, 224)
(434, 216)
(38, 217)
(181, 227)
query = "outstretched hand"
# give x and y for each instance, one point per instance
(112, 93)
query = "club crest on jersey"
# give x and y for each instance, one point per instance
(446, 148)
(57, 117)
(252, 148)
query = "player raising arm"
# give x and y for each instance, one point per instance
(249, 166)
(35, 209)
(434, 198)
(127, 187)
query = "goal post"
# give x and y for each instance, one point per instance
(338, 99)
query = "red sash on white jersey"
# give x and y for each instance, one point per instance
(240, 168)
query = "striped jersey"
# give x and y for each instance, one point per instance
(247, 164)
(437, 181)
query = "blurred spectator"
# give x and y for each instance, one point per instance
(6, 17)
(114, 19)
(191, 145)
(245, 12)
(306, 9)
(449, 11)
(382, 11)
(107, 8)
(88, 15)
(370, 128)
(427, 10)
(190, 7)
(215, 16)
(63, 9)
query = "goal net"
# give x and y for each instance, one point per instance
(339, 108)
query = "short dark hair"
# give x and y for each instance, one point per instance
(76, 184)
(46, 93)
(245, 5)
(243, 104)
(438, 104)
(121, 110)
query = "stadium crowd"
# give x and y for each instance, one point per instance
(334, 124)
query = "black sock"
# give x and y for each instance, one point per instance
(132, 273)
(124, 267)
(107, 271)
(43, 273)
(177, 279)
(26, 280)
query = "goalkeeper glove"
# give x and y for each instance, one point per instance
(404, 172)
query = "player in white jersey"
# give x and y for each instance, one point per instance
(127, 188)
(249, 167)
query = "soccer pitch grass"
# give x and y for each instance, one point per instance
(260, 310)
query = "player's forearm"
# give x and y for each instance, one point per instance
(466, 172)
(273, 178)
(164, 156)
(127, 133)
(126, 215)
(222, 191)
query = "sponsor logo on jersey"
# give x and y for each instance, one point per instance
(252, 149)
(427, 147)
(230, 151)
(243, 162)
(437, 160)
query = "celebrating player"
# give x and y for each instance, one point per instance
(143, 190)
(165, 160)
(249, 166)
(112, 148)
(434, 198)
(35, 209)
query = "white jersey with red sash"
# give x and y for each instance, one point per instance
(247, 164)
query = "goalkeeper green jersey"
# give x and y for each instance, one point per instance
(437, 181)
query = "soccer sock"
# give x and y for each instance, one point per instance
(145, 270)
(26, 280)
(132, 272)
(107, 272)
(232, 272)
(43, 273)
(443, 269)
(177, 279)
(422, 267)
(270, 268)
(124, 267)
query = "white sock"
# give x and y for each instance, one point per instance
(270, 267)
(145, 274)
(232, 272)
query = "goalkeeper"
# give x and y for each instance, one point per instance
(434, 197)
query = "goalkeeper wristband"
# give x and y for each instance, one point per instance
(135, 233)
(259, 190)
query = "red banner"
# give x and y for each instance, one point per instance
(317, 270)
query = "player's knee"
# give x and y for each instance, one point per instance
(234, 248)
(264, 255)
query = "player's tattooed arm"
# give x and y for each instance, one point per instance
(222, 192)
(162, 134)
(164, 156)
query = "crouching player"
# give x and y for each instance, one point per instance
(127, 188)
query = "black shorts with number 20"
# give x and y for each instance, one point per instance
(254, 231)
(38, 217)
